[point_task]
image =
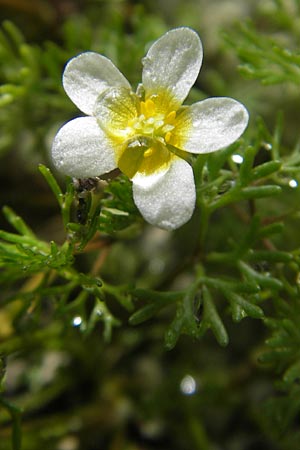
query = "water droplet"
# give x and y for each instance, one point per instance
(293, 183)
(77, 321)
(188, 385)
(146, 60)
(267, 146)
(238, 159)
(99, 312)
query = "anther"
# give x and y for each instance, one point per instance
(150, 107)
(143, 108)
(148, 152)
(170, 117)
(168, 136)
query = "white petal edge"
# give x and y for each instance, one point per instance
(170, 201)
(215, 124)
(81, 149)
(87, 75)
(173, 63)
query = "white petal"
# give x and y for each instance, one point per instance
(147, 181)
(88, 75)
(114, 109)
(173, 63)
(210, 125)
(81, 149)
(169, 202)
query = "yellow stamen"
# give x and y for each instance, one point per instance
(148, 127)
(168, 136)
(143, 108)
(148, 152)
(148, 108)
(170, 117)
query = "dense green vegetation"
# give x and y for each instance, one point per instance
(118, 335)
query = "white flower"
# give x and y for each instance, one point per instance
(146, 134)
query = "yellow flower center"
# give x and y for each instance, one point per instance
(152, 123)
(149, 131)
(143, 131)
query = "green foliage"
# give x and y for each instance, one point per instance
(30, 74)
(264, 58)
(30, 79)
(119, 211)
(281, 354)
(102, 292)
(266, 52)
